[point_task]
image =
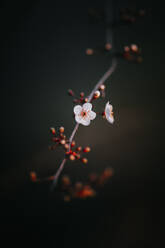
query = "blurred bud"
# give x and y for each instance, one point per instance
(93, 177)
(75, 100)
(61, 129)
(70, 92)
(86, 100)
(89, 51)
(67, 198)
(86, 191)
(96, 94)
(52, 130)
(33, 176)
(102, 87)
(55, 139)
(82, 94)
(73, 144)
(78, 185)
(65, 180)
(84, 160)
(78, 156)
(126, 49)
(51, 178)
(79, 148)
(108, 46)
(66, 146)
(72, 157)
(62, 142)
(87, 149)
(108, 172)
(134, 48)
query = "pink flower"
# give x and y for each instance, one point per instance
(84, 114)
(109, 113)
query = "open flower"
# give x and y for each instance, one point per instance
(84, 114)
(109, 113)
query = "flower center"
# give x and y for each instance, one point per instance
(83, 114)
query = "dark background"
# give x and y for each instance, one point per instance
(43, 47)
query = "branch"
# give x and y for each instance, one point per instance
(97, 86)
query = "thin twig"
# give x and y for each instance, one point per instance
(55, 180)
(100, 82)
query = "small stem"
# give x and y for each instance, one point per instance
(55, 180)
(100, 82)
(73, 134)
(103, 79)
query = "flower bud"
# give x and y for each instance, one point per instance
(62, 142)
(102, 87)
(61, 129)
(93, 177)
(79, 148)
(78, 156)
(134, 48)
(108, 46)
(33, 176)
(70, 92)
(82, 94)
(55, 139)
(73, 144)
(87, 149)
(52, 130)
(84, 160)
(72, 157)
(108, 172)
(66, 180)
(86, 100)
(126, 49)
(89, 51)
(66, 146)
(96, 94)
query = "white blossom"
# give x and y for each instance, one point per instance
(109, 113)
(84, 114)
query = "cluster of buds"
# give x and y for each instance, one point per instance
(99, 93)
(71, 151)
(99, 50)
(100, 180)
(76, 153)
(34, 178)
(129, 16)
(78, 99)
(58, 138)
(81, 190)
(132, 53)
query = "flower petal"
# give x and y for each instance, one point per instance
(78, 118)
(77, 109)
(85, 121)
(87, 106)
(108, 113)
(110, 119)
(91, 115)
